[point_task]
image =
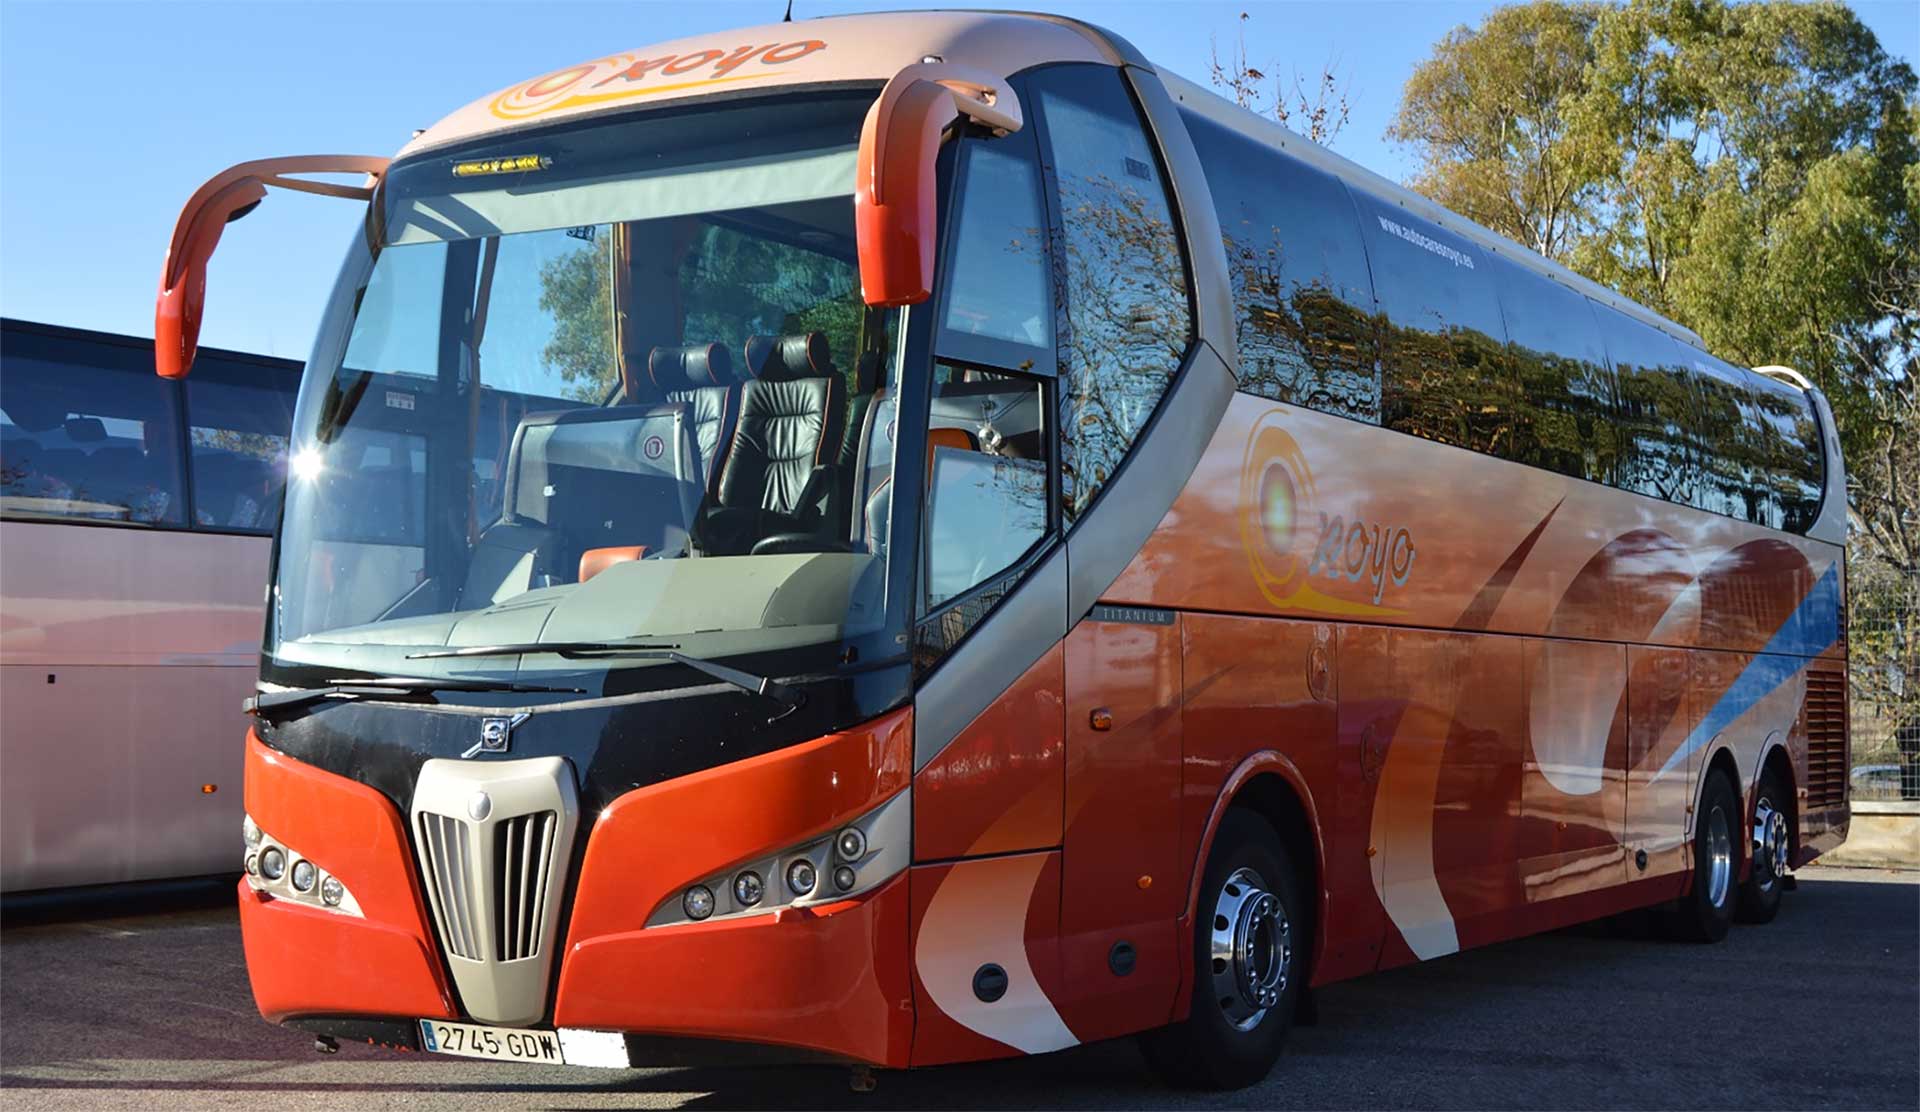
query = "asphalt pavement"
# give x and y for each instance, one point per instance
(1820, 1009)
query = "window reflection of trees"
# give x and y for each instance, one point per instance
(1127, 317)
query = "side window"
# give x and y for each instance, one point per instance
(999, 269)
(1796, 465)
(1447, 376)
(987, 439)
(991, 435)
(238, 416)
(1128, 315)
(89, 433)
(1304, 317)
(1566, 387)
(1733, 453)
(1654, 407)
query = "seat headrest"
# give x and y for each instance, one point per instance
(689, 367)
(959, 439)
(804, 355)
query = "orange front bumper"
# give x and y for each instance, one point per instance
(831, 979)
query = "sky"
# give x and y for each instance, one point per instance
(112, 114)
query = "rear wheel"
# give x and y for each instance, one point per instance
(1250, 944)
(1772, 853)
(1705, 912)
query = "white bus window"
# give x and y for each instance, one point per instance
(237, 437)
(89, 443)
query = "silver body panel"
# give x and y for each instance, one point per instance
(152, 638)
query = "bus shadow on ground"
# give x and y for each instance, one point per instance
(146, 1011)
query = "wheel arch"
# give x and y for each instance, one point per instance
(1271, 786)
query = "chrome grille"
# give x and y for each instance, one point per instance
(522, 860)
(446, 851)
(494, 839)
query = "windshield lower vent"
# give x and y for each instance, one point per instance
(494, 842)
(522, 861)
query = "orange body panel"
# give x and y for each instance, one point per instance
(304, 961)
(831, 979)
(1122, 870)
(998, 786)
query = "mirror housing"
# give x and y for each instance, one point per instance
(226, 197)
(895, 208)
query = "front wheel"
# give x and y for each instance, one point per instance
(1250, 945)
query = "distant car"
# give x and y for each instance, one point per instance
(1881, 780)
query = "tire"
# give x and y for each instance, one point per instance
(1706, 911)
(1760, 896)
(1238, 1023)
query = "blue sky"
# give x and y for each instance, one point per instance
(112, 114)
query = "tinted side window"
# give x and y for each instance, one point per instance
(1655, 408)
(237, 422)
(1128, 317)
(1566, 419)
(1446, 372)
(1734, 454)
(1304, 314)
(88, 432)
(998, 287)
(1796, 471)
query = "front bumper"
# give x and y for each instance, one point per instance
(828, 980)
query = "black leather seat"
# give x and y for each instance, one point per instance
(779, 465)
(700, 377)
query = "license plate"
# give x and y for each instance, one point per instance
(507, 1044)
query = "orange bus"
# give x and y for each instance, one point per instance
(919, 538)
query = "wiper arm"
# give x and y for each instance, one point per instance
(386, 686)
(789, 697)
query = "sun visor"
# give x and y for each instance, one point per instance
(745, 183)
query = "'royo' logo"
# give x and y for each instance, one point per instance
(620, 76)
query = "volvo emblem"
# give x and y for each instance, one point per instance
(496, 735)
(479, 806)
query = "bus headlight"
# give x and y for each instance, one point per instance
(278, 870)
(859, 857)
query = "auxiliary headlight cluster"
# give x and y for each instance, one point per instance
(854, 859)
(280, 872)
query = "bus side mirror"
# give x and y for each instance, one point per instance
(226, 197)
(894, 204)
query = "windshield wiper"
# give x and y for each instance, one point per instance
(789, 697)
(387, 686)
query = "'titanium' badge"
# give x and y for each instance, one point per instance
(496, 735)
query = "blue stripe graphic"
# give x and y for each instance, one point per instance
(1812, 626)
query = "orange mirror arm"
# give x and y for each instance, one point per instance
(226, 197)
(894, 205)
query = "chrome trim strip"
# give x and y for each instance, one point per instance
(1110, 534)
(1027, 623)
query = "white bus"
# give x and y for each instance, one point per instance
(135, 523)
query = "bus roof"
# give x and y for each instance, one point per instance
(852, 48)
(873, 47)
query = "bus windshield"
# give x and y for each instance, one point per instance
(597, 383)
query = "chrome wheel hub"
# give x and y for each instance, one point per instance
(1719, 857)
(1771, 844)
(1251, 952)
